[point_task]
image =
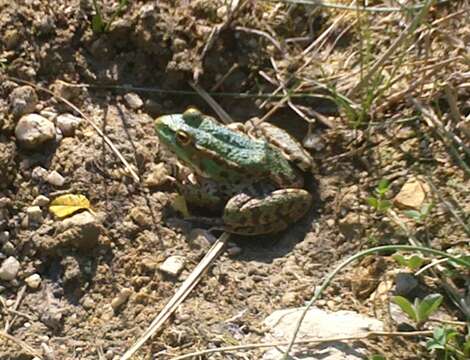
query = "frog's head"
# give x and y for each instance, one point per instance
(211, 149)
(180, 133)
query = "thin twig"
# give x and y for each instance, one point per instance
(329, 278)
(370, 334)
(223, 115)
(21, 344)
(182, 293)
(87, 119)
(448, 205)
(308, 49)
(276, 43)
(223, 78)
(15, 306)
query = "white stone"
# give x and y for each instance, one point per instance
(172, 265)
(34, 130)
(33, 281)
(67, 123)
(133, 100)
(320, 324)
(9, 269)
(55, 179)
(39, 173)
(41, 201)
(34, 214)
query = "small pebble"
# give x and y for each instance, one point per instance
(289, 299)
(133, 100)
(9, 269)
(33, 130)
(8, 248)
(23, 100)
(172, 265)
(88, 303)
(33, 281)
(41, 201)
(48, 113)
(39, 173)
(55, 179)
(121, 298)
(201, 238)
(67, 123)
(157, 176)
(34, 214)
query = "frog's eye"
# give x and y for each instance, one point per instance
(191, 113)
(183, 138)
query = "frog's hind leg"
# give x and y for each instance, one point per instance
(273, 212)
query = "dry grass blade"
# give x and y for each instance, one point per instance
(276, 43)
(223, 115)
(387, 54)
(87, 119)
(336, 5)
(320, 40)
(448, 137)
(367, 335)
(449, 206)
(182, 293)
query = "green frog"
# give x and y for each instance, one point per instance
(252, 173)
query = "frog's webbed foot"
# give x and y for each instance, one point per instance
(247, 215)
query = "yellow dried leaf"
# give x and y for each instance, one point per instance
(65, 205)
(179, 204)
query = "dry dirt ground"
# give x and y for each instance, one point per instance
(162, 46)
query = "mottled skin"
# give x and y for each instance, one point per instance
(250, 178)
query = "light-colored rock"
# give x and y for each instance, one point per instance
(33, 130)
(67, 123)
(81, 231)
(133, 100)
(201, 238)
(121, 298)
(172, 265)
(55, 179)
(23, 100)
(412, 195)
(39, 173)
(9, 269)
(34, 214)
(49, 113)
(289, 298)
(320, 324)
(33, 281)
(41, 201)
